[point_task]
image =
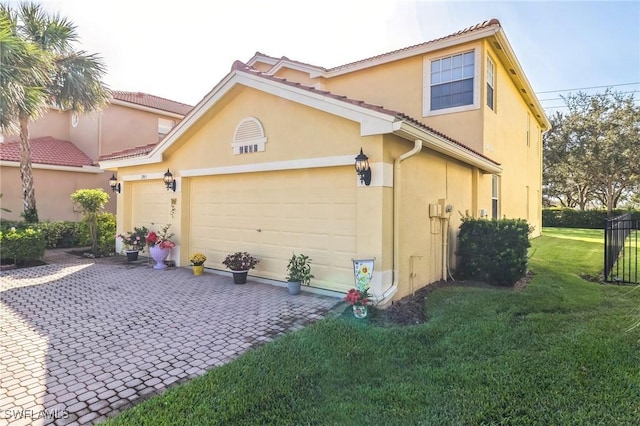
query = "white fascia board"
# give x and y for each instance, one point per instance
(146, 108)
(283, 63)
(441, 145)
(521, 78)
(372, 122)
(302, 163)
(264, 59)
(128, 162)
(83, 169)
(407, 53)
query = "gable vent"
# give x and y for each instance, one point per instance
(248, 137)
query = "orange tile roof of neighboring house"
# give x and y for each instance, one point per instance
(47, 150)
(238, 65)
(129, 153)
(152, 101)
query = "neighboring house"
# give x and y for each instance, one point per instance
(265, 162)
(65, 148)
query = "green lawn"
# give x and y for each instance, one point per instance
(560, 352)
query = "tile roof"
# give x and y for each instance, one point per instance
(47, 150)
(151, 101)
(473, 28)
(129, 153)
(239, 66)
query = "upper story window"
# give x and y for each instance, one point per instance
(490, 83)
(451, 83)
(164, 127)
(249, 137)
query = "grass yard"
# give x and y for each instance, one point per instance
(559, 352)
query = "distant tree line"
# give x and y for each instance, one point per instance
(592, 152)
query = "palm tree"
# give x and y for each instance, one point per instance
(40, 68)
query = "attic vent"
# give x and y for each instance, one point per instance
(512, 71)
(523, 91)
(248, 137)
(497, 45)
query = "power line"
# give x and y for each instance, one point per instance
(557, 99)
(588, 88)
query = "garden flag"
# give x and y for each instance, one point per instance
(363, 271)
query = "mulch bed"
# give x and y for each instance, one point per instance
(410, 310)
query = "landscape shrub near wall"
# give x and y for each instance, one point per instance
(106, 234)
(57, 234)
(493, 251)
(572, 218)
(21, 245)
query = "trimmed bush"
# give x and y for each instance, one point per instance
(493, 251)
(22, 245)
(588, 219)
(106, 234)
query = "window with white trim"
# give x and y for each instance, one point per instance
(490, 83)
(495, 190)
(164, 127)
(248, 137)
(452, 81)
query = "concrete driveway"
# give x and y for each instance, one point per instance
(81, 340)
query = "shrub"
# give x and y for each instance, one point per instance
(60, 234)
(106, 234)
(572, 218)
(92, 202)
(22, 245)
(493, 251)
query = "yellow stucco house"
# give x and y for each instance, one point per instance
(265, 162)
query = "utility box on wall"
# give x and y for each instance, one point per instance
(435, 210)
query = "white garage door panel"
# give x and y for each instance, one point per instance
(294, 211)
(150, 204)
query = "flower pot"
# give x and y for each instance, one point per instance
(360, 311)
(132, 255)
(239, 277)
(294, 287)
(159, 255)
(198, 269)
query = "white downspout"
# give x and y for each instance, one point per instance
(396, 223)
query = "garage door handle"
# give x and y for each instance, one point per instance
(259, 230)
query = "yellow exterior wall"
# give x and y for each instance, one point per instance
(294, 132)
(505, 135)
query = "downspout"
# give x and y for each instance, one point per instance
(396, 223)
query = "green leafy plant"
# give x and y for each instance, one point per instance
(91, 201)
(162, 239)
(240, 261)
(136, 239)
(299, 269)
(22, 245)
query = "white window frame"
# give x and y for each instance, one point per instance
(164, 127)
(491, 81)
(495, 197)
(426, 84)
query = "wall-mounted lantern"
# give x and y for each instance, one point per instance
(114, 184)
(169, 182)
(362, 168)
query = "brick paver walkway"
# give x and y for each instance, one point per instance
(84, 339)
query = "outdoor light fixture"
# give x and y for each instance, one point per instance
(362, 168)
(113, 183)
(169, 182)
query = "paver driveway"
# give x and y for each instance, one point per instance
(81, 342)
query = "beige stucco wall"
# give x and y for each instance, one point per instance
(53, 190)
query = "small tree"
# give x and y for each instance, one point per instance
(92, 202)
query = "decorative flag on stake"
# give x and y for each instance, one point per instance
(363, 271)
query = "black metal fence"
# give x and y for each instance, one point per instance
(621, 238)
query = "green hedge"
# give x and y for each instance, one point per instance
(58, 234)
(493, 251)
(22, 245)
(571, 218)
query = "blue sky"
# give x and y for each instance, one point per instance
(181, 49)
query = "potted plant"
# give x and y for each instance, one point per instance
(298, 272)
(240, 263)
(160, 246)
(197, 260)
(134, 242)
(358, 299)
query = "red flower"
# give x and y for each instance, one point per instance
(356, 297)
(152, 238)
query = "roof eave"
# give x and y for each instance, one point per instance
(436, 143)
(146, 108)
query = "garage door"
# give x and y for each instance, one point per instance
(273, 214)
(149, 204)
